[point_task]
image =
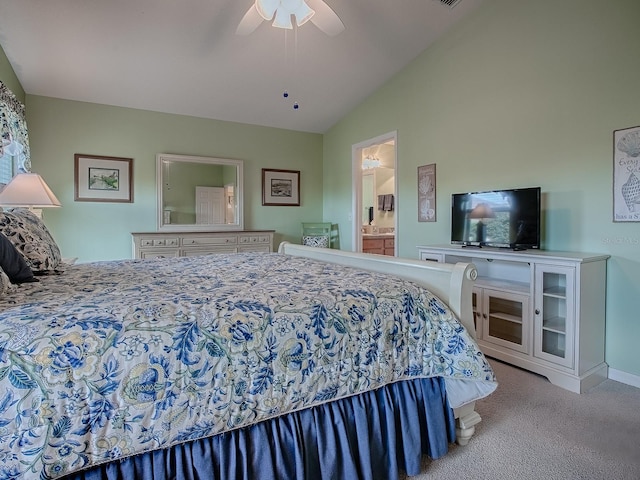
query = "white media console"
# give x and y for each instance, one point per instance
(539, 310)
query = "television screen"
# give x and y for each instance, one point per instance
(499, 218)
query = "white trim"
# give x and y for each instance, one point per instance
(624, 377)
(356, 187)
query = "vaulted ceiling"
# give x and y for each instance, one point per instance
(184, 56)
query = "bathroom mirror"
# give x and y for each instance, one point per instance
(368, 194)
(198, 193)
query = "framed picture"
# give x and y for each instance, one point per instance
(427, 193)
(103, 179)
(626, 175)
(281, 187)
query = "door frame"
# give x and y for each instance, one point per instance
(356, 187)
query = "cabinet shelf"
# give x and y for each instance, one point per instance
(555, 324)
(515, 339)
(556, 292)
(507, 317)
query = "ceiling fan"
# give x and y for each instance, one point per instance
(281, 11)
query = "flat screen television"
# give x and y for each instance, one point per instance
(499, 218)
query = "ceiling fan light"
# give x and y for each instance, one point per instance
(303, 14)
(370, 162)
(267, 8)
(282, 19)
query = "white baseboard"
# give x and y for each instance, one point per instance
(624, 377)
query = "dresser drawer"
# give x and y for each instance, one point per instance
(256, 247)
(159, 253)
(159, 242)
(192, 252)
(251, 239)
(222, 240)
(184, 244)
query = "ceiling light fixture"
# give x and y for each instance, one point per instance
(281, 11)
(370, 162)
(449, 3)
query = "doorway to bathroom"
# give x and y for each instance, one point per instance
(375, 195)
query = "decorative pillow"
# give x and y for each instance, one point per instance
(32, 239)
(5, 284)
(316, 241)
(13, 263)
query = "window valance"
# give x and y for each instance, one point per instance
(13, 129)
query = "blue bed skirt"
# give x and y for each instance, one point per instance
(369, 436)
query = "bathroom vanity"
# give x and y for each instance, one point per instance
(380, 243)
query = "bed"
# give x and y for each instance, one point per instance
(307, 363)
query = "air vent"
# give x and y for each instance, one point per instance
(449, 3)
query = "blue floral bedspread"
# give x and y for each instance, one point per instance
(111, 359)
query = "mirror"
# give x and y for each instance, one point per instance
(198, 193)
(368, 194)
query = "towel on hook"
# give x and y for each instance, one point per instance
(388, 202)
(385, 202)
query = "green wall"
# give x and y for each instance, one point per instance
(101, 231)
(522, 93)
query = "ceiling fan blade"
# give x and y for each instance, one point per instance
(325, 18)
(249, 22)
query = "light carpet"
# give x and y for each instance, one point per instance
(534, 430)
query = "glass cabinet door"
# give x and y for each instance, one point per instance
(554, 314)
(505, 319)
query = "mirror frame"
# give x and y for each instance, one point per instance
(161, 227)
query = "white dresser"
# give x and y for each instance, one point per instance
(185, 244)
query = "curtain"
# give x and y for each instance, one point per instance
(13, 129)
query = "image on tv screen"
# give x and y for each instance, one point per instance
(498, 218)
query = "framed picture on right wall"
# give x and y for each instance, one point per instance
(427, 193)
(626, 175)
